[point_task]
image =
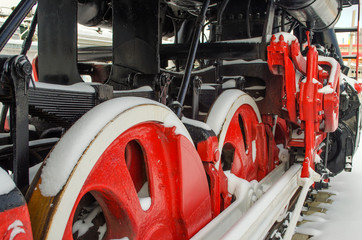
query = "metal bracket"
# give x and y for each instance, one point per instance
(17, 74)
(164, 84)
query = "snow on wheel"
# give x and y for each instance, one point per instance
(236, 120)
(136, 159)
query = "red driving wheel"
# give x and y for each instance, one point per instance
(149, 153)
(241, 141)
(236, 121)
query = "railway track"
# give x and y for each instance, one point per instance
(315, 207)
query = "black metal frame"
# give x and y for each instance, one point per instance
(57, 33)
(17, 75)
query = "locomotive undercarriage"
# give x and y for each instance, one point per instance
(219, 134)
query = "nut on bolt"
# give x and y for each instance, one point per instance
(23, 66)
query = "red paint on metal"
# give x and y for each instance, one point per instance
(245, 123)
(282, 132)
(208, 150)
(266, 162)
(34, 66)
(331, 100)
(272, 149)
(358, 87)
(218, 183)
(309, 107)
(178, 187)
(297, 57)
(280, 64)
(8, 217)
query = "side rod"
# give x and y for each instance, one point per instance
(191, 57)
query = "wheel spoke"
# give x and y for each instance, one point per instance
(240, 134)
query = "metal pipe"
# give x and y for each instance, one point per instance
(191, 57)
(283, 21)
(219, 20)
(325, 13)
(14, 20)
(327, 150)
(28, 40)
(248, 19)
(177, 62)
(268, 29)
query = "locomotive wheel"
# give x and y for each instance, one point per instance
(141, 144)
(235, 118)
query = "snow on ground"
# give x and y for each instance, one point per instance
(343, 219)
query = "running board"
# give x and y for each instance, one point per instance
(278, 188)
